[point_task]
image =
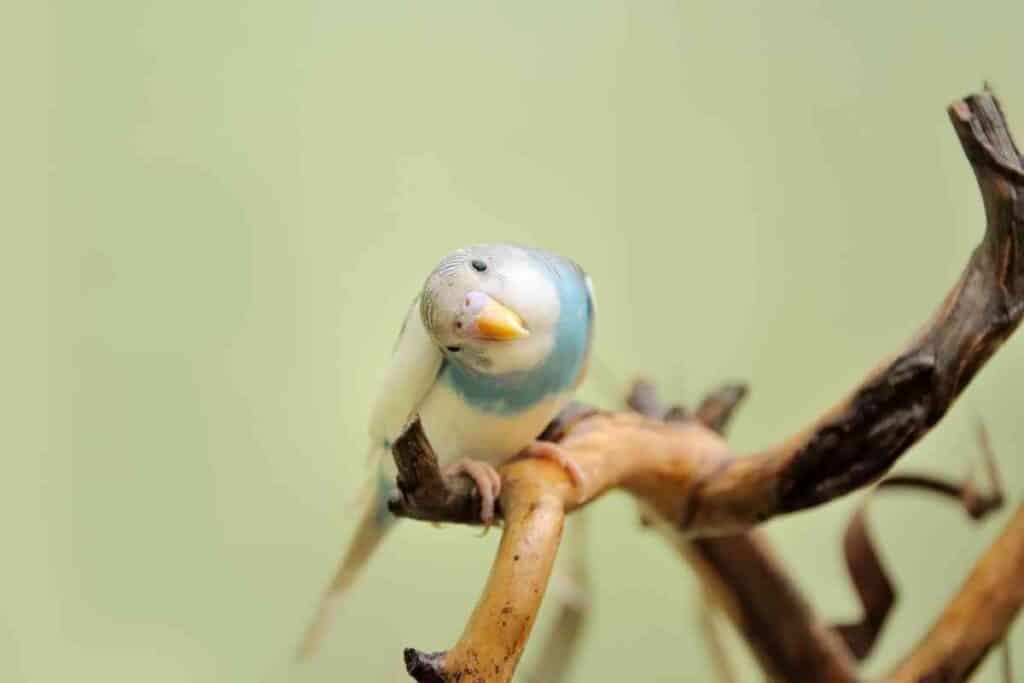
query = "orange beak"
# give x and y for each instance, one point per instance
(500, 323)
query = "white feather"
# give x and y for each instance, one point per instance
(457, 430)
(413, 371)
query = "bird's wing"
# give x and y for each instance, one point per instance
(415, 364)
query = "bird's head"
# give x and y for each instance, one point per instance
(492, 308)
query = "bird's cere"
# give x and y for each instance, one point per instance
(485, 318)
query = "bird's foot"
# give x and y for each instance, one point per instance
(552, 451)
(487, 480)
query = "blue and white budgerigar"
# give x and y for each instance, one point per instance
(490, 351)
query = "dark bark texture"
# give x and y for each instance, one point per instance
(706, 499)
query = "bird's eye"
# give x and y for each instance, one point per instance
(453, 349)
(478, 265)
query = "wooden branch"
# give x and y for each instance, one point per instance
(572, 588)
(426, 494)
(977, 617)
(687, 477)
(874, 588)
(860, 439)
(423, 491)
(717, 409)
(789, 638)
(533, 498)
(748, 581)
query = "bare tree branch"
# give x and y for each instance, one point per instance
(572, 588)
(743, 576)
(874, 588)
(690, 482)
(717, 409)
(977, 617)
(423, 491)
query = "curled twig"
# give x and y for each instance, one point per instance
(875, 589)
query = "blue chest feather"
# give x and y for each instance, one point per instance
(514, 392)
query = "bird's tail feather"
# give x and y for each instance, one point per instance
(372, 527)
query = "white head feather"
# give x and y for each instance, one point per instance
(512, 277)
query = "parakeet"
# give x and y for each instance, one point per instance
(489, 353)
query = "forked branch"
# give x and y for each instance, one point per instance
(685, 475)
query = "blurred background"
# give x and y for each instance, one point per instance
(242, 198)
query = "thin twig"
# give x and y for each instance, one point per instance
(710, 627)
(874, 588)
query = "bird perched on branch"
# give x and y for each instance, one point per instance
(489, 353)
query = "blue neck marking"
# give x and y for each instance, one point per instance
(514, 392)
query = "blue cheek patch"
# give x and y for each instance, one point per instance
(514, 392)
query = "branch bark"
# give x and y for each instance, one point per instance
(572, 588)
(874, 588)
(423, 491)
(977, 617)
(684, 473)
(860, 438)
(746, 579)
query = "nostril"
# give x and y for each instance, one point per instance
(458, 325)
(473, 302)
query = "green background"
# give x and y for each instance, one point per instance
(243, 197)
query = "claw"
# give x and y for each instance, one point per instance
(554, 452)
(488, 483)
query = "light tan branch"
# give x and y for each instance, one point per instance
(685, 474)
(977, 617)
